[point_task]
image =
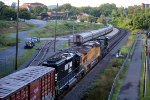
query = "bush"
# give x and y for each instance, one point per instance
(101, 87)
(7, 41)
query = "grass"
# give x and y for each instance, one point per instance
(64, 28)
(28, 54)
(101, 87)
(8, 27)
(6, 69)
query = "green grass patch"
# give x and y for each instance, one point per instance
(28, 54)
(10, 26)
(101, 87)
(119, 84)
(5, 68)
(64, 28)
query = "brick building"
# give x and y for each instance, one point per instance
(143, 5)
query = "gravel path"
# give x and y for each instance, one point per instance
(131, 85)
(77, 92)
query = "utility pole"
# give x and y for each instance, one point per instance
(73, 31)
(55, 29)
(73, 26)
(16, 60)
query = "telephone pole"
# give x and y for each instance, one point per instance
(55, 29)
(16, 60)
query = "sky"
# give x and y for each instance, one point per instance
(81, 3)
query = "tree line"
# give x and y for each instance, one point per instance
(132, 17)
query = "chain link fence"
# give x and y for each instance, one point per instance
(7, 66)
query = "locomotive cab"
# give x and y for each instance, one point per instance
(67, 65)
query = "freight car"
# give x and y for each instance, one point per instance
(32, 83)
(86, 36)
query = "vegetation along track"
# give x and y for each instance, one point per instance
(80, 89)
(41, 54)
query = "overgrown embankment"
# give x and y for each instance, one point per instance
(64, 28)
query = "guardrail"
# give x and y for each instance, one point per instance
(146, 69)
(129, 56)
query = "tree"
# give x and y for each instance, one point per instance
(6, 13)
(37, 10)
(13, 5)
(90, 19)
(24, 14)
(102, 19)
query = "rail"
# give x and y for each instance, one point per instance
(129, 56)
(41, 54)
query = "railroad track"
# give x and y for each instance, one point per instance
(41, 54)
(113, 42)
(117, 38)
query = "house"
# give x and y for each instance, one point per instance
(53, 15)
(81, 16)
(29, 6)
(143, 5)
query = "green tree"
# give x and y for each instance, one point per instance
(13, 5)
(38, 10)
(102, 19)
(7, 13)
(24, 14)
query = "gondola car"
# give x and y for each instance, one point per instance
(86, 36)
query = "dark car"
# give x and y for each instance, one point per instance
(29, 45)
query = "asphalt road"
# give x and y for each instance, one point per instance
(22, 35)
(131, 85)
(7, 61)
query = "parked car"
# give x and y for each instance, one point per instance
(35, 39)
(29, 45)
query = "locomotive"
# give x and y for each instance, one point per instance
(72, 64)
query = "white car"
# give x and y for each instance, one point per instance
(35, 39)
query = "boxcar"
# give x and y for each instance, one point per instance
(32, 83)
